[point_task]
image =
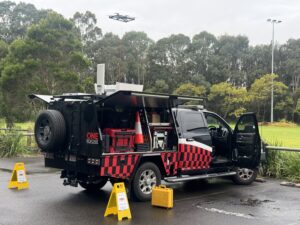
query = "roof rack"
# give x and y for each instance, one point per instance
(193, 107)
(160, 95)
(120, 98)
(80, 96)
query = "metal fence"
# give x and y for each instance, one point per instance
(288, 149)
(27, 136)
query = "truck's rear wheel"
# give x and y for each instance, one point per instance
(147, 176)
(244, 176)
(50, 130)
(95, 186)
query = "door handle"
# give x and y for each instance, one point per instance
(189, 139)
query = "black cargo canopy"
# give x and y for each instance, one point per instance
(144, 99)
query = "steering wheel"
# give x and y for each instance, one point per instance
(212, 127)
(212, 130)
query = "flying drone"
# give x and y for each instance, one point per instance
(122, 18)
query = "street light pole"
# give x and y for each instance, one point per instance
(272, 68)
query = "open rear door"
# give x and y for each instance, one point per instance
(246, 142)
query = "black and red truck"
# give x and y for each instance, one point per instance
(143, 138)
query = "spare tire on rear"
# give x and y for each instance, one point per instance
(50, 130)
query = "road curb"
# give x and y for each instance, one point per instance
(30, 172)
(6, 170)
(33, 165)
(260, 180)
(290, 184)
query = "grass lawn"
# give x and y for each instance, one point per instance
(281, 136)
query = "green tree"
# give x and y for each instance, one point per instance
(297, 109)
(201, 52)
(3, 49)
(260, 93)
(47, 61)
(190, 90)
(160, 86)
(110, 50)
(296, 104)
(228, 100)
(16, 18)
(86, 23)
(89, 33)
(168, 61)
(257, 62)
(284, 108)
(290, 64)
(136, 45)
(230, 52)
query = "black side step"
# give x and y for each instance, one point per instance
(198, 177)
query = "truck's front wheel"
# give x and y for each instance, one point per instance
(147, 176)
(244, 176)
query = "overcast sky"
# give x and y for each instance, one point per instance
(161, 18)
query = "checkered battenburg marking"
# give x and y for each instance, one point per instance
(118, 166)
(169, 160)
(193, 158)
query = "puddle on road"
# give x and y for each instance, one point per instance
(253, 202)
(246, 202)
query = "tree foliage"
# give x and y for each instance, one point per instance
(260, 93)
(86, 23)
(228, 100)
(190, 89)
(16, 18)
(47, 61)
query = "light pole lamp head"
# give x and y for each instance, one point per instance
(274, 21)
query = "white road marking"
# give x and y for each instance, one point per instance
(226, 212)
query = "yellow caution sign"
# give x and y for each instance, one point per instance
(118, 202)
(18, 178)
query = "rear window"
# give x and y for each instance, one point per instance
(192, 121)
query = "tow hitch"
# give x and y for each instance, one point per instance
(70, 179)
(72, 182)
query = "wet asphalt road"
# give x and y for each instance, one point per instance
(216, 202)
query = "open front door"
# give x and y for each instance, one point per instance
(246, 142)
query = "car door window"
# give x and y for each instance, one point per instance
(192, 122)
(215, 123)
(193, 126)
(246, 126)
